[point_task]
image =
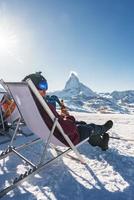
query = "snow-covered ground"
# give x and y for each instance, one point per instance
(106, 175)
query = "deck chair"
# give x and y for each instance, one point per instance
(24, 95)
(14, 116)
(2, 94)
(11, 119)
(4, 135)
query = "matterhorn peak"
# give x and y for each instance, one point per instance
(74, 87)
(73, 74)
(73, 81)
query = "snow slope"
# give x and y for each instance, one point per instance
(106, 175)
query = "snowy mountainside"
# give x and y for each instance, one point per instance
(75, 89)
(124, 96)
(79, 97)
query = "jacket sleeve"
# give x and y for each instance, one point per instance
(56, 99)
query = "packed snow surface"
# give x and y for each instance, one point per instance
(106, 175)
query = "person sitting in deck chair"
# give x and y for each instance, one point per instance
(7, 108)
(76, 130)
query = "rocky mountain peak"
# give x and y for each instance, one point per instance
(74, 87)
(73, 82)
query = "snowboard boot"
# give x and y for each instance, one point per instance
(106, 126)
(104, 142)
(95, 139)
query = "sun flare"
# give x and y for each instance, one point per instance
(9, 45)
(8, 41)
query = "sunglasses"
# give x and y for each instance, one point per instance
(43, 85)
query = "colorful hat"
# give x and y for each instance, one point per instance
(39, 81)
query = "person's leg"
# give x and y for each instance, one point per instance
(101, 129)
(80, 123)
(100, 137)
(96, 133)
(84, 131)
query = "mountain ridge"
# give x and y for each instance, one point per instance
(79, 97)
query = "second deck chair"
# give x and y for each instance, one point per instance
(14, 115)
(2, 94)
(4, 137)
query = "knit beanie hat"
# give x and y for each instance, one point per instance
(39, 81)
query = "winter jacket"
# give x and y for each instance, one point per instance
(52, 100)
(67, 124)
(8, 106)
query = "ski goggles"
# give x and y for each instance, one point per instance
(43, 85)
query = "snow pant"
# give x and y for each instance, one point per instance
(85, 130)
(92, 131)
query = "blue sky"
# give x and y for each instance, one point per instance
(94, 38)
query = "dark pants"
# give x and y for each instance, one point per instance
(86, 130)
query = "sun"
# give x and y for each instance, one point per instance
(8, 41)
(9, 45)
